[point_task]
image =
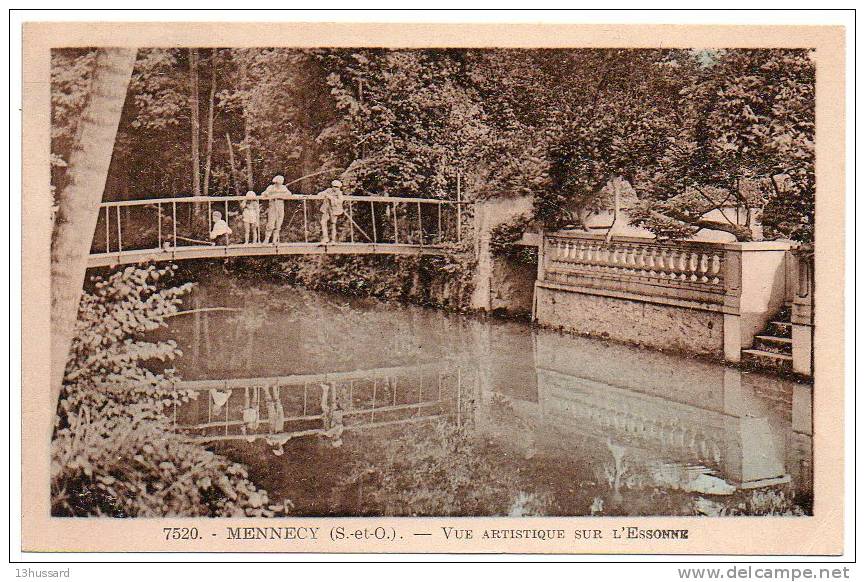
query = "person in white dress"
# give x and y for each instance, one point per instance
(251, 230)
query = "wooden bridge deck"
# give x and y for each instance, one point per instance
(128, 257)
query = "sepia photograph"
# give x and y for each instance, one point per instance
(341, 280)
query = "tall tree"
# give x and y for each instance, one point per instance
(211, 104)
(79, 198)
(196, 126)
(744, 139)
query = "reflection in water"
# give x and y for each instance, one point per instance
(348, 407)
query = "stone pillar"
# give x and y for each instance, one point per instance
(802, 315)
(542, 257)
(484, 268)
(488, 215)
(755, 280)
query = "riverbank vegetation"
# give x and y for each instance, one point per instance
(114, 452)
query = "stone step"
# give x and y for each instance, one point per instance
(770, 360)
(775, 339)
(771, 343)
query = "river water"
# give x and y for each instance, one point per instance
(343, 406)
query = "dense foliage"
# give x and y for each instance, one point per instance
(441, 280)
(690, 131)
(114, 452)
(503, 239)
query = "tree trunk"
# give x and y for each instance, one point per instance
(617, 209)
(247, 144)
(233, 165)
(196, 130)
(197, 211)
(79, 200)
(247, 150)
(742, 233)
(211, 102)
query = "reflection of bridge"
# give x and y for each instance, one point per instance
(278, 409)
(166, 229)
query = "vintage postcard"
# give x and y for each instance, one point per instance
(409, 288)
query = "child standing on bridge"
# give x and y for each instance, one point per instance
(331, 207)
(251, 230)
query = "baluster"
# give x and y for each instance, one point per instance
(581, 254)
(683, 266)
(650, 261)
(704, 268)
(716, 269)
(625, 259)
(693, 266)
(615, 259)
(671, 265)
(572, 250)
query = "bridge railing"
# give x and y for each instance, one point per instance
(162, 223)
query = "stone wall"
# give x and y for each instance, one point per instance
(641, 323)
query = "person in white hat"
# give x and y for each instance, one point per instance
(331, 208)
(275, 195)
(251, 230)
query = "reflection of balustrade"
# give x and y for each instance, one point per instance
(743, 447)
(682, 264)
(686, 432)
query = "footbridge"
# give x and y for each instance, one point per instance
(172, 229)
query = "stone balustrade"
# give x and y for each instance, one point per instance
(709, 298)
(687, 274)
(668, 263)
